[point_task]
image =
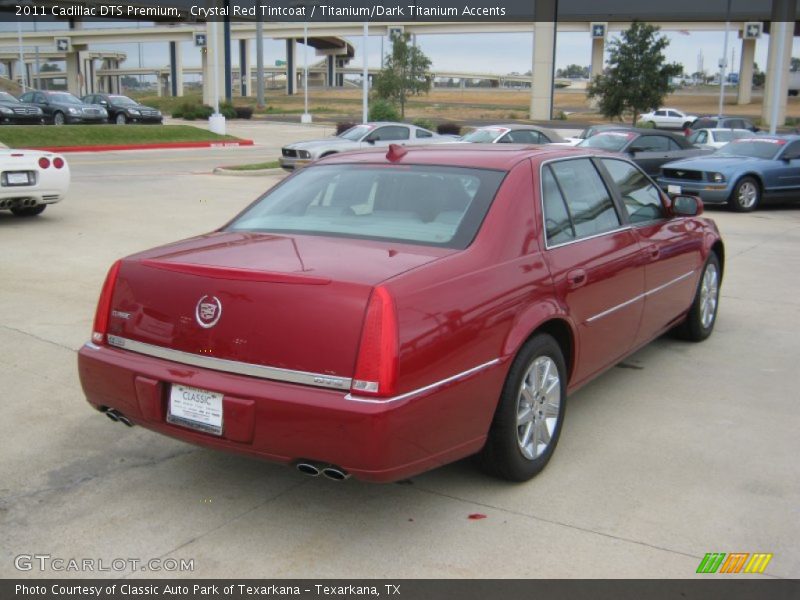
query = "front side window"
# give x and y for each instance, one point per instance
(588, 201)
(430, 205)
(650, 143)
(640, 197)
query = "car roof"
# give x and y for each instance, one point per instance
(485, 156)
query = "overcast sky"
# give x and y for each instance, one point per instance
(491, 52)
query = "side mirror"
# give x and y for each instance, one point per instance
(370, 140)
(686, 206)
(103, 103)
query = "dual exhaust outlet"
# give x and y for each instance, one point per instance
(116, 416)
(329, 471)
(18, 203)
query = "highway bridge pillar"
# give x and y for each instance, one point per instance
(746, 71)
(291, 66)
(778, 61)
(598, 53)
(73, 68)
(245, 68)
(331, 80)
(544, 36)
(175, 69)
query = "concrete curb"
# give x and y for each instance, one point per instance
(254, 173)
(154, 146)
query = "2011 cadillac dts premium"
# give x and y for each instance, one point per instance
(378, 314)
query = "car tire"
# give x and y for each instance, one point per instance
(29, 211)
(58, 118)
(746, 195)
(702, 315)
(120, 119)
(531, 408)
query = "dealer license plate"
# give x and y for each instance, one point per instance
(673, 189)
(20, 178)
(195, 408)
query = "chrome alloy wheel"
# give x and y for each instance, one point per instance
(538, 405)
(709, 295)
(747, 194)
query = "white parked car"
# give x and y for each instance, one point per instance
(667, 118)
(717, 138)
(30, 180)
(361, 136)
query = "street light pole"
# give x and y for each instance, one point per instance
(22, 74)
(724, 60)
(365, 83)
(306, 118)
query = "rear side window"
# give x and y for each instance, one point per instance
(557, 223)
(423, 133)
(588, 201)
(431, 205)
(640, 197)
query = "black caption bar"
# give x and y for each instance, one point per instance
(407, 589)
(399, 11)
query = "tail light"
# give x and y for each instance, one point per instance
(58, 162)
(376, 367)
(100, 328)
(44, 162)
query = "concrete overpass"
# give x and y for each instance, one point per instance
(327, 39)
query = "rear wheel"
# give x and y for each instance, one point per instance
(527, 424)
(702, 315)
(58, 118)
(29, 211)
(746, 195)
(120, 119)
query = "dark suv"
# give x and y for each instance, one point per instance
(723, 123)
(122, 109)
(62, 107)
(14, 112)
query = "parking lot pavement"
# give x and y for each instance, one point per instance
(684, 449)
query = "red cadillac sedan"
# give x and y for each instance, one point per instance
(378, 314)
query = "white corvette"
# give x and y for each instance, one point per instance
(30, 180)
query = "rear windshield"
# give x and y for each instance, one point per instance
(430, 205)
(608, 140)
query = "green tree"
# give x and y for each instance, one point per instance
(638, 77)
(795, 64)
(573, 72)
(405, 73)
(759, 77)
(49, 68)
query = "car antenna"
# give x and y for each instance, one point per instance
(396, 152)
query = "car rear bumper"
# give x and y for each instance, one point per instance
(20, 197)
(290, 423)
(710, 193)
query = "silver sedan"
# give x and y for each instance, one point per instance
(513, 134)
(376, 134)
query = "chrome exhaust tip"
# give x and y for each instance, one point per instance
(112, 414)
(335, 473)
(308, 469)
(123, 419)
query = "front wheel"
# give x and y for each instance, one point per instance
(746, 195)
(29, 211)
(120, 119)
(58, 119)
(527, 423)
(702, 315)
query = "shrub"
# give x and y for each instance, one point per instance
(243, 112)
(425, 124)
(646, 125)
(561, 116)
(343, 126)
(227, 110)
(383, 110)
(448, 129)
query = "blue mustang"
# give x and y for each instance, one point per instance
(741, 173)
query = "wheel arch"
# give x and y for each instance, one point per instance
(718, 248)
(544, 319)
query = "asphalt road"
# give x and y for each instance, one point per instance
(683, 449)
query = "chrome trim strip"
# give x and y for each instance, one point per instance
(639, 297)
(427, 388)
(232, 366)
